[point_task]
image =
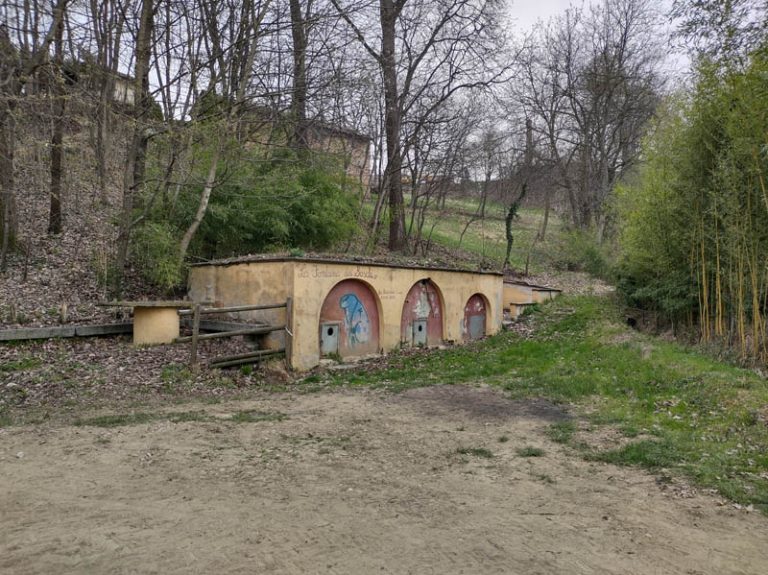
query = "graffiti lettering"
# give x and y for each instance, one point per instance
(363, 273)
(319, 272)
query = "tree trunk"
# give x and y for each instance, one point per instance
(133, 177)
(392, 127)
(57, 139)
(299, 99)
(509, 221)
(543, 229)
(102, 139)
(202, 207)
(7, 146)
(7, 181)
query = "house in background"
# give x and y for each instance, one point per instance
(351, 147)
(89, 76)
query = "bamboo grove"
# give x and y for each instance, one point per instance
(695, 222)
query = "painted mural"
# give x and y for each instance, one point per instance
(356, 322)
(349, 320)
(422, 318)
(473, 324)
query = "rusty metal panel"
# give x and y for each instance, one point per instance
(473, 325)
(420, 332)
(476, 326)
(329, 337)
(422, 304)
(352, 305)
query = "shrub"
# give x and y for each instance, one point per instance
(157, 253)
(579, 250)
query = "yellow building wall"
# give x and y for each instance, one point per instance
(248, 283)
(515, 293)
(309, 282)
(153, 325)
(312, 282)
(542, 295)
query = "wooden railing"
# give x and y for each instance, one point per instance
(197, 310)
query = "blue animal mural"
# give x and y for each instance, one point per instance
(358, 326)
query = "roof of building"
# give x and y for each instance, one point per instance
(349, 132)
(530, 285)
(351, 260)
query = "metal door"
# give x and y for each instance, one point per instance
(476, 326)
(473, 325)
(329, 338)
(420, 332)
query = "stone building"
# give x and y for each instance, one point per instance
(346, 309)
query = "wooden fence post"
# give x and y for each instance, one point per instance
(195, 333)
(289, 332)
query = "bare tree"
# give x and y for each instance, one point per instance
(135, 163)
(589, 81)
(426, 53)
(299, 21)
(57, 138)
(19, 61)
(107, 21)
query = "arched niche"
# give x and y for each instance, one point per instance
(349, 320)
(421, 323)
(475, 321)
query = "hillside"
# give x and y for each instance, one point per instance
(69, 269)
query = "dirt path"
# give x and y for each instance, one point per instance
(350, 482)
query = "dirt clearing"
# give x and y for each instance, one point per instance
(435, 480)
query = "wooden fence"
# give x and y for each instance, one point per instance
(197, 310)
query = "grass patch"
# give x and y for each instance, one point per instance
(475, 452)
(252, 416)
(184, 416)
(650, 454)
(175, 377)
(706, 420)
(529, 451)
(137, 418)
(485, 239)
(117, 420)
(561, 431)
(6, 420)
(21, 364)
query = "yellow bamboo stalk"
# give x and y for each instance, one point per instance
(760, 177)
(740, 304)
(706, 333)
(719, 324)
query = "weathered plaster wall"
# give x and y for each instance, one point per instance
(244, 284)
(153, 325)
(313, 281)
(516, 293)
(310, 282)
(542, 295)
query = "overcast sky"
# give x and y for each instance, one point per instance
(525, 13)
